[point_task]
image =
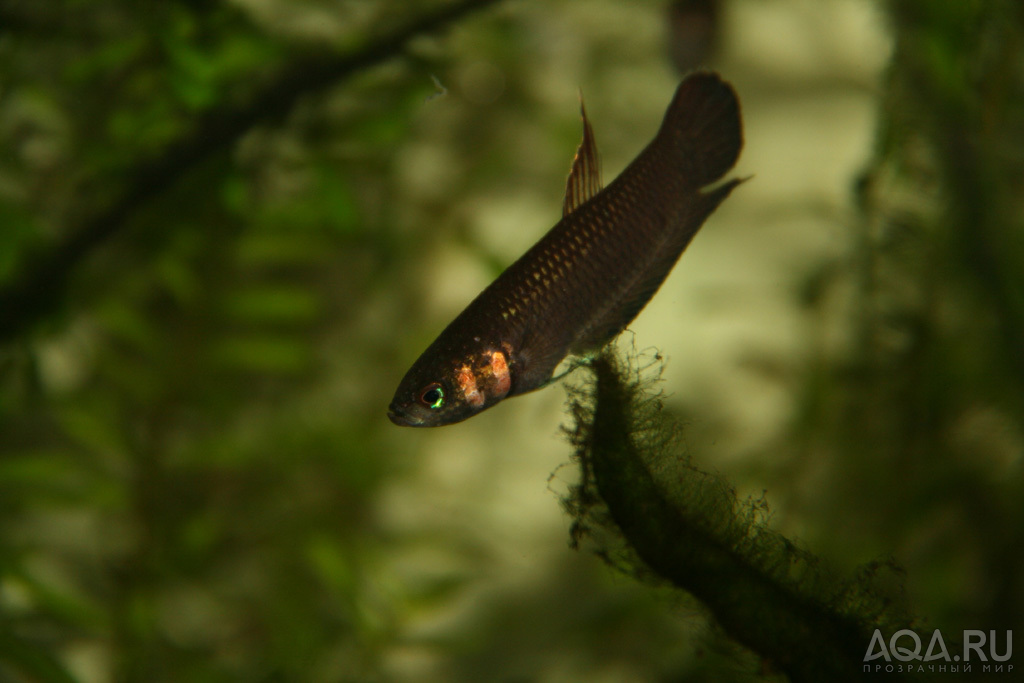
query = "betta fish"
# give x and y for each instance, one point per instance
(591, 274)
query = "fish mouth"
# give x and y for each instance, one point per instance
(402, 418)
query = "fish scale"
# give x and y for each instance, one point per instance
(592, 273)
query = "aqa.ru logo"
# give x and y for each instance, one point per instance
(906, 646)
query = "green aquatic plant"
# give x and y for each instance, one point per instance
(658, 515)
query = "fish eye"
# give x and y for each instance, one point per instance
(432, 396)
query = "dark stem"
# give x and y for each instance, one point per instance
(39, 287)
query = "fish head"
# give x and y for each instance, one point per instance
(437, 392)
(431, 405)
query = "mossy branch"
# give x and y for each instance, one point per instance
(688, 527)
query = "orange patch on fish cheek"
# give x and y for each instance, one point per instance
(499, 370)
(467, 385)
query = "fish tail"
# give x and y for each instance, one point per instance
(702, 131)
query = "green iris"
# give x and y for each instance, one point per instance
(433, 396)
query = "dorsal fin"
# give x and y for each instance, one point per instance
(585, 177)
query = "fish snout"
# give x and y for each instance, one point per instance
(402, 417)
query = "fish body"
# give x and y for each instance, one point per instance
(592, 273)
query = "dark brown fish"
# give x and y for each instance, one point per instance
(591, 274)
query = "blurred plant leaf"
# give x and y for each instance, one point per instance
(273, 305)
(262, 353)
(31, 661)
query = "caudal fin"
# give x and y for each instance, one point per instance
(702, 130)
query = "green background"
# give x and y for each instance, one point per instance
(228, 228)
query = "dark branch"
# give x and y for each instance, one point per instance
(688, 527)
(40, 286)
